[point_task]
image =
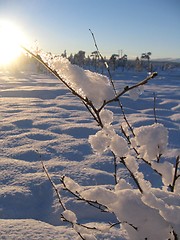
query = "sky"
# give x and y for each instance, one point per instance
(129, 27)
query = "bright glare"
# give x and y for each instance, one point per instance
(11, 37)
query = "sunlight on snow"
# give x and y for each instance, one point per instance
(11, 37)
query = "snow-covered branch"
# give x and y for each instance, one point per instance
(143, 211)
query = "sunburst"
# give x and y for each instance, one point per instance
(11, 38)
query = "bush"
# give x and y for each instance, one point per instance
(143, 211)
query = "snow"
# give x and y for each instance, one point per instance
(119, 146)
(69, 216)
(41, 120)
(94, 86)
(152, 140)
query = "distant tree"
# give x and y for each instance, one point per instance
(64, 54)
(138, 66)
(71, 58)
(79, 58)
(95, 59)
(113, 60)
(147, 57)
(124, 61)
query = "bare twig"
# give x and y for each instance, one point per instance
(176, 175)
(127, 89)
(115, 168)
(112, 83)
(104, 62)
(132, 174)
(53, 185)
(118, 223)
(78, 196)
(154, 108)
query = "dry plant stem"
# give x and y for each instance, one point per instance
(125, 118)
(176, 175)
(132, 175)
(78, 224)
(53, 185)
(154, 108)
(115, 168)
(127, 89)
(61, 203)
(112, 83)
(104, 62)
(118, 223)
(94, 204)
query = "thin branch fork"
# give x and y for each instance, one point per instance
(78, 196)
(127, 89)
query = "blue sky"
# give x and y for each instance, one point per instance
(133, 26)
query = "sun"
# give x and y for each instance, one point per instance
(11, 39)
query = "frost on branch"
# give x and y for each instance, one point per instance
(167, 204)
(103, 140)
(69, 216)
(166, 170)
(118, 146)
(91, 85)
(138, 219)
(144, 212)
(151, 140)
(107, 139)
(99, 142)
(106, 117)
(136, 92)
(72, 185)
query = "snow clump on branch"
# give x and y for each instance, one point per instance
(93, 86)
(151, 140)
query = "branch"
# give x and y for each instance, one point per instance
(104, 62)
(176, 175)
(154, 108)
(132, 175)
(118, 223)
(54, 72)
(94, 204)
(115, 168)
(112, 83)
(53, 185)
(89, 105)
(127, 89)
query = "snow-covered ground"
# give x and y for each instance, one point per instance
(41, 120)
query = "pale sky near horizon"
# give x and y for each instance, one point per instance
(130, 26)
